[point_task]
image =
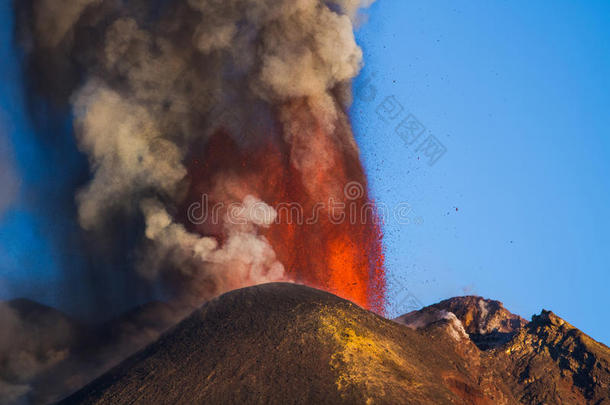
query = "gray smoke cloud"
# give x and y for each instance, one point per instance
(9, 179)
(45, 354)
(148, 80)
(32, 341)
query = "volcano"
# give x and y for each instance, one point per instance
(217, 153)
(285, 343)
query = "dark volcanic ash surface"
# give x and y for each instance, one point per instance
(281, 343)
(286, 343)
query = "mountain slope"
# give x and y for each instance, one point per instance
(285, 343)
(553, 362)
(545, 361)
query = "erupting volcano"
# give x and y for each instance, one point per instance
(218, 130)
(217, 174)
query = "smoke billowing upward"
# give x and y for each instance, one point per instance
(241, 101)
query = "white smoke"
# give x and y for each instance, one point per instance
(244, 259)
(430, 316)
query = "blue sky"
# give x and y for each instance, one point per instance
(518, 209)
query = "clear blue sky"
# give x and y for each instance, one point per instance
(519, 94)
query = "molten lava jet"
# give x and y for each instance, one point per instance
(326, 232)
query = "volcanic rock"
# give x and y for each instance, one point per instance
(545, 361)
(551, 362)
(487, 322)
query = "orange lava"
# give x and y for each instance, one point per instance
(340, 254)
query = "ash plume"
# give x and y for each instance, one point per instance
(150, 84)
(8, 174)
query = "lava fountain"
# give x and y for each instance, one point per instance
(238, 107)
(326, 233)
